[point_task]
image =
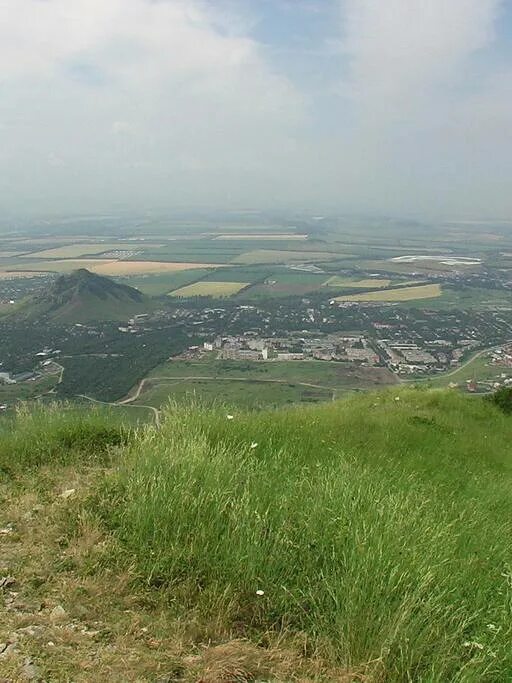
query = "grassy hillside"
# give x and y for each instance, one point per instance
(365, 540)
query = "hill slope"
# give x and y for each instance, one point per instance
(82, 296)
(367, 540)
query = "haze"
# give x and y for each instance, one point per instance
(374, 105)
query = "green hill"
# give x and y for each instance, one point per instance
(82, 296)
(364, 540)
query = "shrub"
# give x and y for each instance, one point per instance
(503, 399)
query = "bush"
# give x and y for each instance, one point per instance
(503, 399)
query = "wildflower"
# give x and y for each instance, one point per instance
(254, 444)
(230, 417)
(397, 398)
(492, 627)
(260, 592)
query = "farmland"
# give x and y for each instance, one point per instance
(206, 288)
(275, 256)
(368, 283)
(76, 250)
(399, 294)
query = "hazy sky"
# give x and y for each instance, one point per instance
(380, 105)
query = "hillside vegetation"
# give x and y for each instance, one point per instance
(365, 540)
(82, 296)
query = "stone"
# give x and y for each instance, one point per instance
(68, 493)
(58, 614)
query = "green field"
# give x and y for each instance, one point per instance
(265, 256)
(286, 283)
(244, 394)
(257, 384)
(158, 285)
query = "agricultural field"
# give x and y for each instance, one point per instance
(162, 283)
(349, 283)
(285, 283)
(106, 267)
(423, 266)
(262, 236)
(77, 250)
(400, 294)
(276, 256)
(208, 288)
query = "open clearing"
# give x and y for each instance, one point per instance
(401, 294)
(254, 384)
(76, 250)
(276, 256)
(336, 281)
(205, 288)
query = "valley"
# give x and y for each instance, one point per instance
(261, 314)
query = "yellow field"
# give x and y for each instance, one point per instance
(75, 250)
(219, 289)
(402, 294)
(146, 267)
(59, 266)
(276, 256)
(272, 236)
(337, 281)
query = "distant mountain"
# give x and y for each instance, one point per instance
(84, 296)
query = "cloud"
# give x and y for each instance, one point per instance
(424, 104)
(138, 84)
(137, 103)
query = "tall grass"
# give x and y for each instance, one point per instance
(380, 528)
(57, 435)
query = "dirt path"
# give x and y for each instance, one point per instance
(154, 410)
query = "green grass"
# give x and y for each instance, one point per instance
(178, 380)
(250, 394)
(57, 435)
(377, 529)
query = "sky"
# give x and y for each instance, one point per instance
(382, 106)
